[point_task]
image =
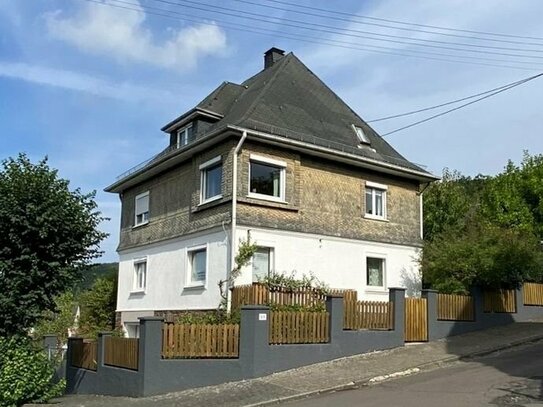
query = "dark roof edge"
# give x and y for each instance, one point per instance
(371, 163)
(195, 111)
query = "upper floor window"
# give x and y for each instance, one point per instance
(142, 209)
(267, 178)
(140, 274)
(197, 266)
(211, 180)
(375, 272)
(183, 136)
(376, 199)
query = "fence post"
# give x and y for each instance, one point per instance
(150, 341)
(397, 297)
(101, 349)
(254, 338)
(431, 306)
(478, 303)
(519, 301)
(334, 306)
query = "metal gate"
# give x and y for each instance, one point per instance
(416, 320)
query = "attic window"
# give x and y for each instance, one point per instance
(361, 135)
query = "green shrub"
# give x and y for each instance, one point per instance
(210, 318)
(26, 375)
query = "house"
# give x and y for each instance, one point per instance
(283, 159)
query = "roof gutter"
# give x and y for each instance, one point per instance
(346, 157)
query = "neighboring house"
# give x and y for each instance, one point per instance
(280, 157)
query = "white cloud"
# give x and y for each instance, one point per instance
(103, 30)
(81, 82)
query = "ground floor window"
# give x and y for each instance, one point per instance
(132, 329)
(375, 272)
(197, 266)
(262, 263)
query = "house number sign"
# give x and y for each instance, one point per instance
(262, 317)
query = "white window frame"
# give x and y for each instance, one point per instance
(271, 260)
(203, 180)
(188, 278)
(135, 286)
(182, 136)
(376, 288)
(361, 135)
(139, 196)
(132, 325)
(384, 189)
(282, 178)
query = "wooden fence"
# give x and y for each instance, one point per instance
(200, 341)
(121, 352)
(451, 307)
(368, 315)
(84, 354)
(499, 301)
(260, 294)
(533, 294)
(416, 320)
(299, 327)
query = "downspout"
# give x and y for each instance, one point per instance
(233, 242)
(421, 210)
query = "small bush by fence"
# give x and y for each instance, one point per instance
(499, 301)
(260, 294)
(200, 341)
(533, 294)
(121, 352)
(368, 315)
(451, 307)
(84, 355)
(299, 327)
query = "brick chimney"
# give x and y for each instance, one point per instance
(272, 55)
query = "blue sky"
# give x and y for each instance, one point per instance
(90, 85)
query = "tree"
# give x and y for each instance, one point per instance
(98, 307)
(48, 234)
(60, 320)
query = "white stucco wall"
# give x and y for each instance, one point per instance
(167, 263)
(340, 263)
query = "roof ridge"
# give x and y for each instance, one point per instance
(283, 61)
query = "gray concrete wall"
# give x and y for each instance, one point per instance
(438, 329)
(256, 357)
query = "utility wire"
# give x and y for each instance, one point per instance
(448, 103)
(352, 33)
(359, 20)
(307, 39)
(493, 34)
(462, 106)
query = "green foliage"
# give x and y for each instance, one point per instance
(48, 234)
(484, 230)
(25, 374)
(95, 271)
(318, 307)
(291, 283)
(98, 307)
(246, 250)
(210, 318)
(59, 320)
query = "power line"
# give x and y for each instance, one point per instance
(447, 103)
(462, 106)
(353, 19)
(493, 34)
(307, 39)
(345, 31)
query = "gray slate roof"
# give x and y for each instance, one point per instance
(289, 100)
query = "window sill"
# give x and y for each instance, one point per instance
(137, 292)
(376, 290)
(374, 217)
(195, 286)
(209, 200)
(267, 198)
(140, 224)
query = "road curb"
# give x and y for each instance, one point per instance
(421, 368)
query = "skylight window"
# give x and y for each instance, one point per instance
(361, 135)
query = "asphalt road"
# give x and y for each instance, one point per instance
(511, 378)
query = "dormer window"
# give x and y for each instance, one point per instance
(183, 136)
(362, 137)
